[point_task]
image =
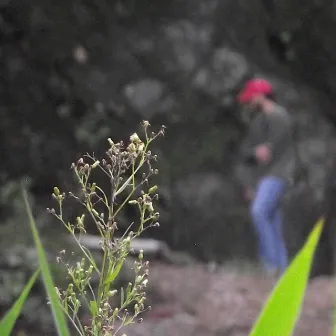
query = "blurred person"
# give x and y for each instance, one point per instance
(267, 153)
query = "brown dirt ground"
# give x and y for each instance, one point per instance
(192, 301)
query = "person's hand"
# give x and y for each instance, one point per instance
(263, 153)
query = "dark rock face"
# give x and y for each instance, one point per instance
(77, 73)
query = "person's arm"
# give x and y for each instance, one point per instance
(247, 149)
(280, 129)
(246, 168)
(278, 136)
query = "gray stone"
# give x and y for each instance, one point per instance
(187, 43)
(145, 97)
(223, 74)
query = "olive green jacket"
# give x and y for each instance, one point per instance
(276, 130)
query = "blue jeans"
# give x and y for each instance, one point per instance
(267, 220)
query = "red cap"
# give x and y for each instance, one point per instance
(254, 87)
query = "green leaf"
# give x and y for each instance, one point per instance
(59, 318)
(8, 321)
(283, 305)
(110, 278)
(122, 297)
(93, 308)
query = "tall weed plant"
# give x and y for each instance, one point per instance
(128, 169)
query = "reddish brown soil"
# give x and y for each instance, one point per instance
(192, 301)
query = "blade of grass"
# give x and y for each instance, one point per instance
(8, 321)
(283, 306)
(59, 318)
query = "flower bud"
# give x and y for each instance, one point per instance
(95, 165)
(152, 189)
(141, 255)
(79, 221)
(132, 148)
(145, 123)
(112, 292)
(135, 138)
(94, 211)
(139, 279)
(141, 147)
(56, 191)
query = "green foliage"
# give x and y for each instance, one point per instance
(122, 166)
(8, 321)
(128, 169)
(283, 306)
(18, 256)
(59, 317)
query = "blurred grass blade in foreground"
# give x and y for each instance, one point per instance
(8, 322)
(283, 306)
(59, 317)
